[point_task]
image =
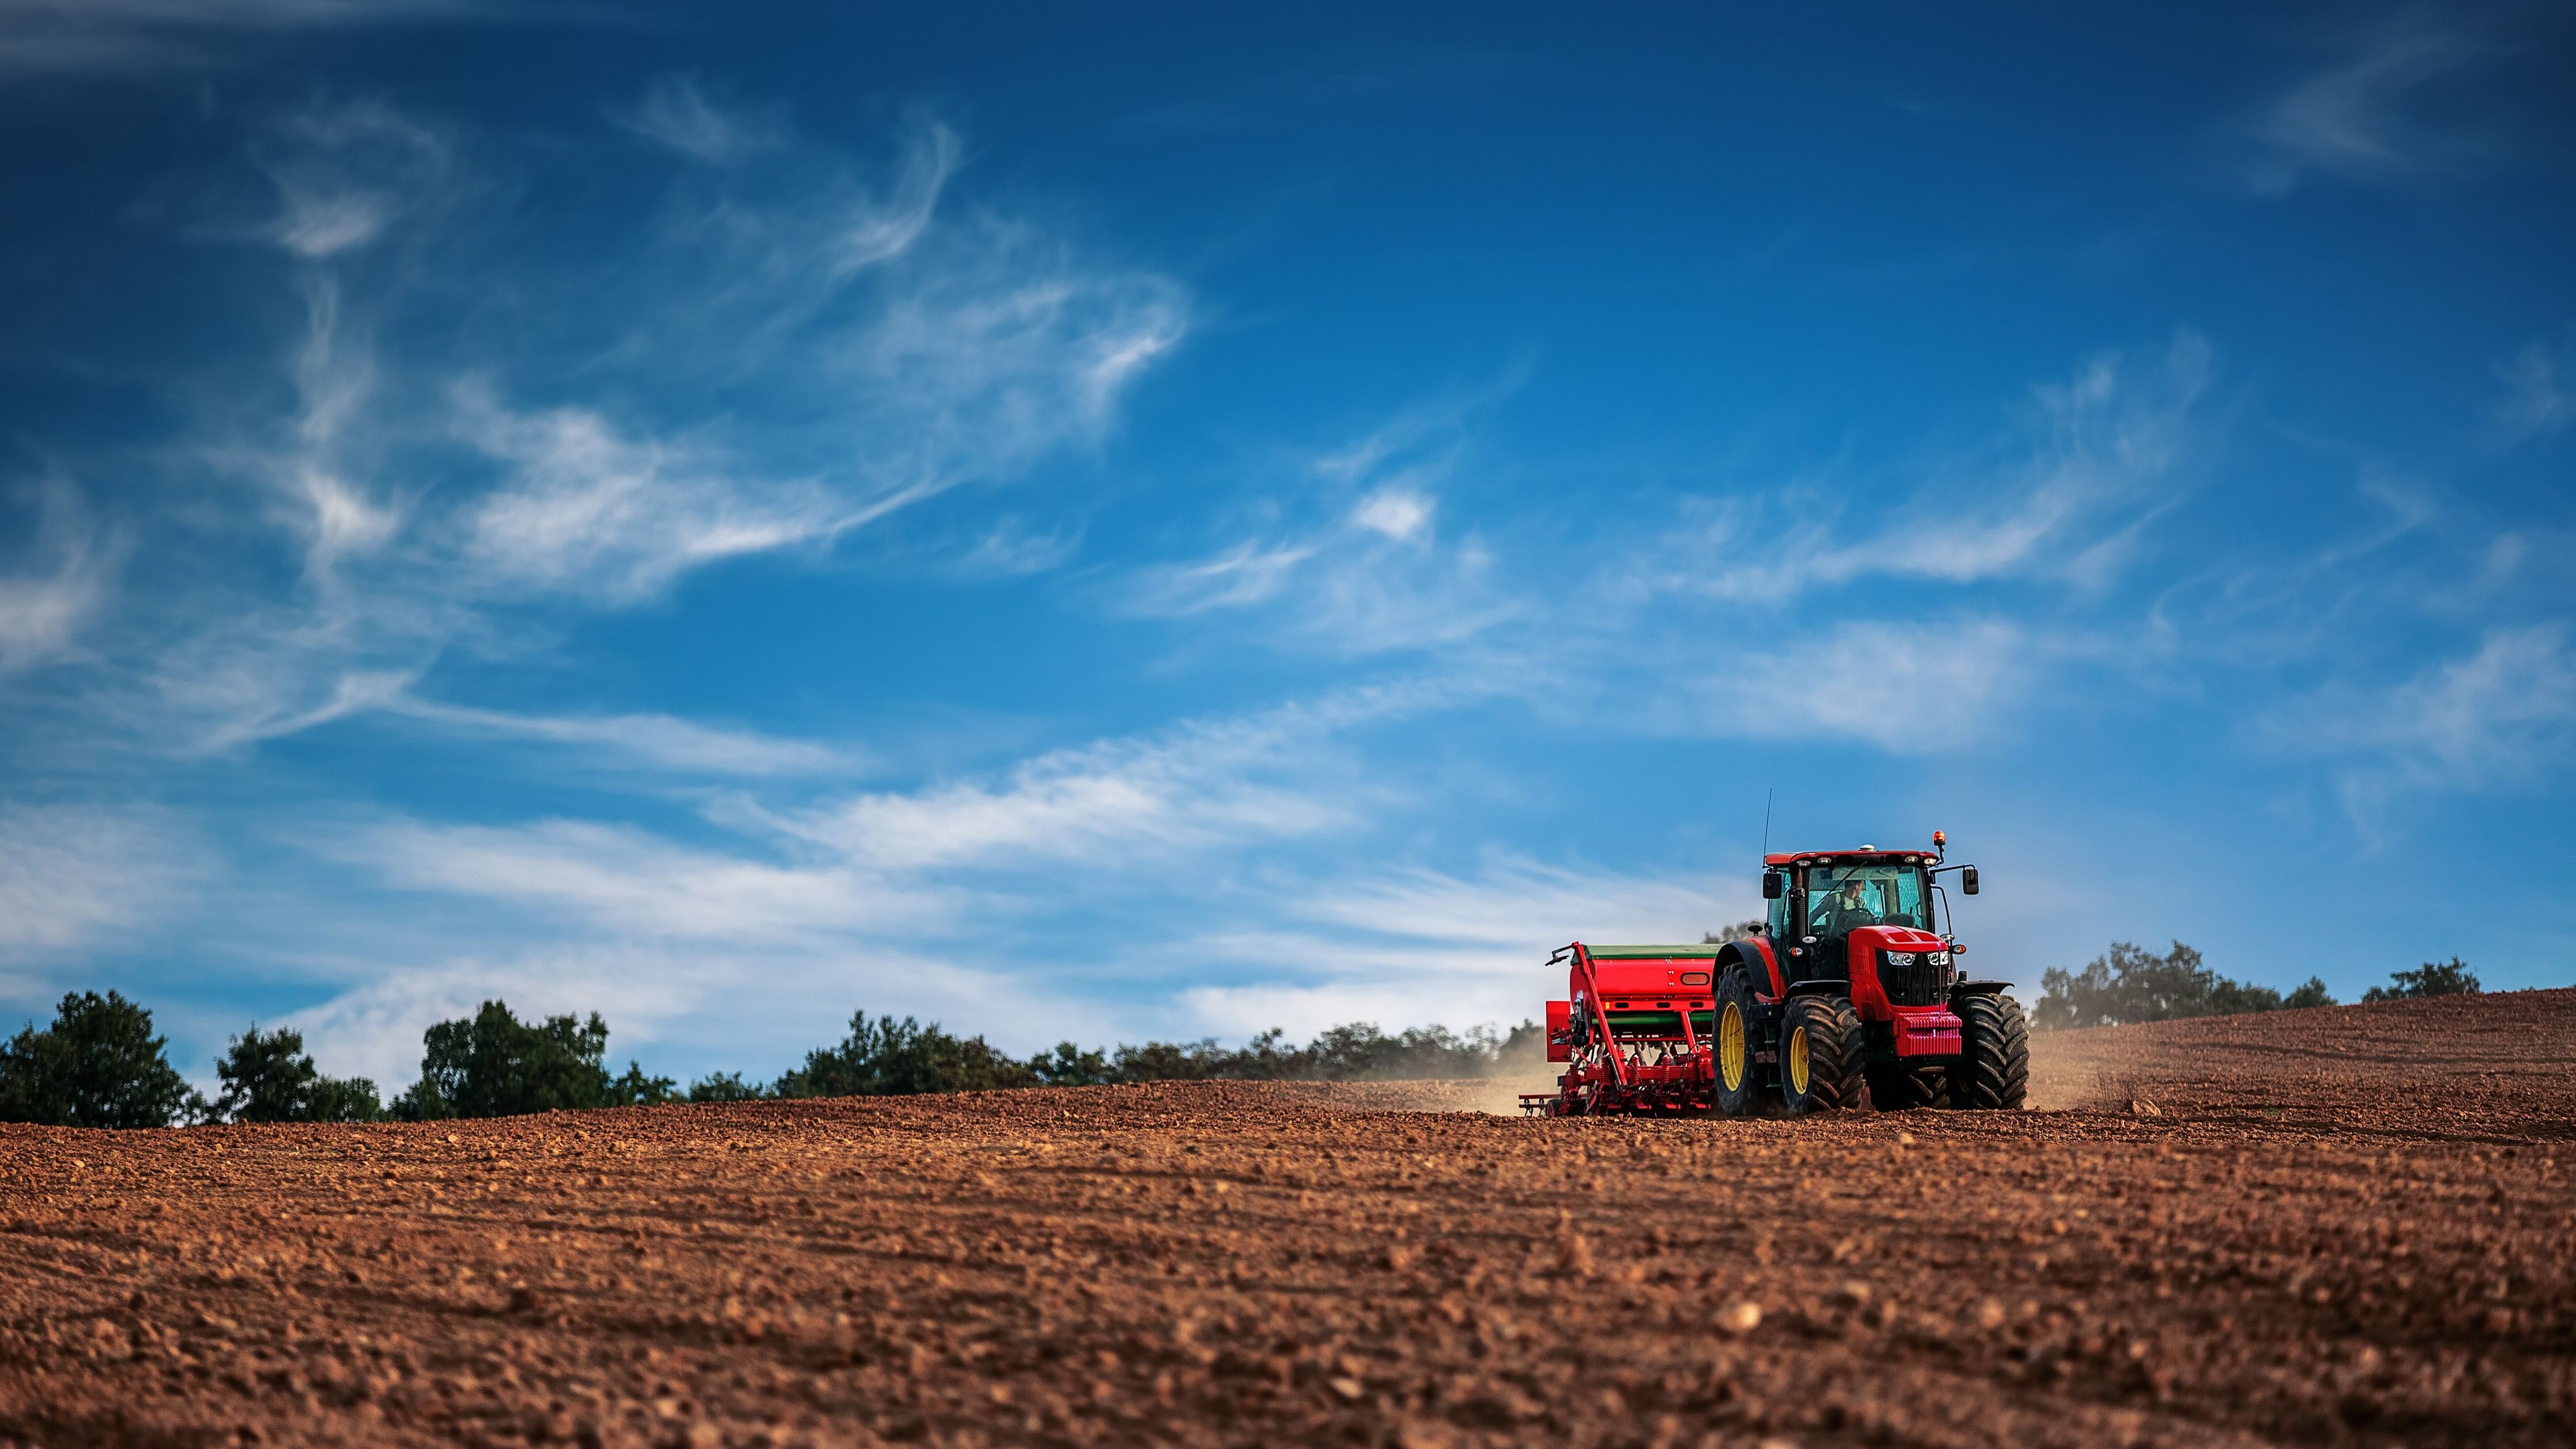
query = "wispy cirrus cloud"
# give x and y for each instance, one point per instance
(1416, 944)
(437, 512)
(631, 883)
(656, 742)
(585, 509)
(2539, 390)
(73, 876)
(2361, 120)
(1366, 570)
(2093, 458)
(2502, 714)
(1200, 785)
(346, 174)
(677, 112)
(58, 582)
(110, 36)
(934, 876)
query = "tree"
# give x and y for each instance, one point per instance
(268, 1078)
(2130, 984)
(1737, 932)
(2312, 992)
(492, 1064)
(2452, 978)
(886, 1057)
(98, 1065)
(725, 1087)
(638, 1090)
(1072, 1066)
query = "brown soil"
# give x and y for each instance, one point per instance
(2330, 1227)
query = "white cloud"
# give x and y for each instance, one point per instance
(345, 174)
(1395, 512)
(1905, 686)
(334, 373)
(1003, 351)
(2539, 391)
(59, 585)
(2355, 122)
(1221, 783)
(1011, 549)
(586, 509)
(100, 36)
(632, 884)
(1246, 574)
(1412, 946)
(73, 876)
(655, 740)
(2097, 457)
(2504, 714)
(1367, 575)
(677, 113)
(1515, 901)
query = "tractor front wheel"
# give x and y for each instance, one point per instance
(1822, 1049)
(1895, 1087)
(1738, 1077)
(1994, 1066)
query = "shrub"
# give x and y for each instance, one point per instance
(2130, 984)
(2311, 992)
(98, 1065)
(2451, 978)
(268, 1078)
(725, 1087)
(886, 1057)
(492, 1064)
(883, 1056)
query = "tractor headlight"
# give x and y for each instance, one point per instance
(1938, 958)
(1900, 958)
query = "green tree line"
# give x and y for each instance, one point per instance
(2128, 984)
(100, 1065)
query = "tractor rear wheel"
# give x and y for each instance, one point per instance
(1821, 1052)
(1738, 1078)
(1895, 1087)
(1994, 1066)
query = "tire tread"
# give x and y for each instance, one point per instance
(1994, 1067)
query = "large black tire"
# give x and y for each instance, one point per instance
(1896, 1087)
(1994, 1067)
(1734, 1033)
(1822, 1049)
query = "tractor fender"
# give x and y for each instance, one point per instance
(1821, 986)
(1753, 953)
(1979, 988)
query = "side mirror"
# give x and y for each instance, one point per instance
(1774, 885)
(1968, 880)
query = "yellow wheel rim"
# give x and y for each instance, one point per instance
(1730, 1046)
(1798, 1060)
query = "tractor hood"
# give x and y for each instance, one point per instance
(1897, 938)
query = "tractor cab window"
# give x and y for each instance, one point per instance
(1841, 898)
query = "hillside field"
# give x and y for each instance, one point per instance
(2351, 1225)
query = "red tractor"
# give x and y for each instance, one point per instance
(1849, 992)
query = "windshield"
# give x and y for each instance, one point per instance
(1842, 897)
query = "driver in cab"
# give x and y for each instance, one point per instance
(1847, 910)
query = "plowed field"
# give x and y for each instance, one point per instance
(2342, 1226)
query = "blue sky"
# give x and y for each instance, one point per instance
(1152, 521)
